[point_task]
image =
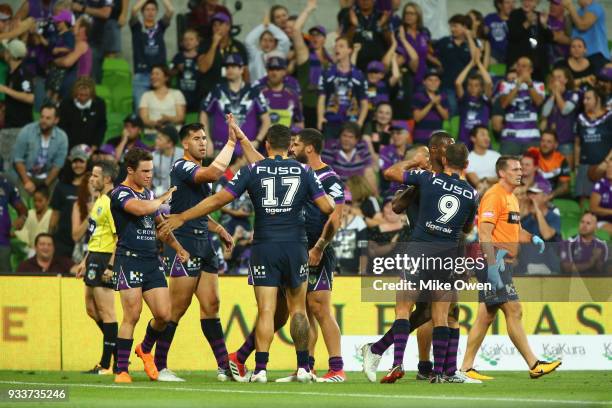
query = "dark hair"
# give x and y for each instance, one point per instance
(502, 162)
(193, 31)
(598, 94)
(568, 74)
(279, 137)
(584, 44)
(438, 137)
(273, 10)
(461, 19)
(456, 155)
(83, 196)
(43, 235)
(351, 127)
(44, 190)
(497, 4)
(312, 137)
(550, 131)
(475, 76)
(109, 169)
(163, 68)
(348, 41)
(153, 2)
(475, 129)
(49, 105)
(134, 156)
(189, 128)
(480, 33)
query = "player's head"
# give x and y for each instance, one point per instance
(193, 139)
(588, 224)
(307, 143)
(278, 139)
(103, 174)
(139, 164)
(411, 153)
(456, 157)
(508, 169)
(438, 143)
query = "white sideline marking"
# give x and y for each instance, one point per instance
(314, 394)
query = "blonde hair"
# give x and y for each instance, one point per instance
(359, 188)
(84, 82)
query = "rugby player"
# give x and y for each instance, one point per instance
(138, 272)
(306, 147)
(499, 228)
(199, 275)
(101, 241)
(279, 189)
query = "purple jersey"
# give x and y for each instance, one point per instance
(289, 82)
(473, 111)
(315, 219)
(9, 195)
(431, 122)
(577, 251)
(498, 36)
(388, 156)
(595, 137)
(377, 93)
(246, 105)
(137, 235)
(420, 43)
(604, 188)
(564, 124)
(521, 116)
(348, 164)
(343, 93)
(284, 106)
(558, 51)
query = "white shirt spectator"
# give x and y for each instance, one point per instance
(257, 57)
(159, 107)
(483, 164)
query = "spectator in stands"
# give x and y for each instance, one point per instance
(552, 164)
(111, 43)
(604, 82)
(378, 87)
(579, 65)
(13, 26)
(86, 196)
(413, 42)
(215, 49)
(585, 254)
(311, 60)
(532, 176)
(83, 117)
(560, 110)
(185, 69)
(235, 96)
(601, 199)
(392, 153)
(161, 105)
(19, 96)
(349, 156)
(453, 53)
(478, 38)
(61, 44)
(529, 36)
(430, 106)
(201, 14)
(377, 132)
(383, 237)
(351, 238)
(46, 260)
(497, 112)
(289, 81)
(365, 204)
(106, 152)
(560, 24)
(496, 27)
(39, 151)
(64, 196)
(283, 101)
(167, 151)
(37, 221)
(129, 138)
(480, 171)
(79, 61)
(260, 42)
(100, 12)
(590, 25)
(148, 44)
(474, 99)
(9, 196)
(400, 92)
(365, 24)
(342, 93)
(521, 101)
(593, 142)
(279, 16)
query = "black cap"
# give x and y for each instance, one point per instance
(171, 132)
(233, 59)
(433, 72)
(134, 119)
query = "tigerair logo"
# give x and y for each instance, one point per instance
(492, 353)
(559, 350)
(607, 351)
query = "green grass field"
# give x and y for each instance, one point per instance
(509, 389)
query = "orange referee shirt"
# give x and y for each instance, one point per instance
(501, 208)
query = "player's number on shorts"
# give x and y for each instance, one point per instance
(448, 205)
(270, 200)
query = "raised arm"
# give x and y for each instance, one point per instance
(461, 79)
(140, 208)
(583, 22)
(169, 10)
(249, 151)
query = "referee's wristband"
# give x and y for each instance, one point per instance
(110, 266)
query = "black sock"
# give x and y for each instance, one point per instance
(425, 367)
(261, 361)
(311, 362)
(302, 359)
(110, 343)
(214, 334)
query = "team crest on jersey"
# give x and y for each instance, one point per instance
(91, 274)
(148, 222)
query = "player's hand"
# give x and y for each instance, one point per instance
(169, 224)
(311, 5)
(231, 121)
(107, 276)
(494, 270)
(226, 239)
(167, 195)
(314, 256)
(80, 270)
(183, 255)
(29, 186)
(353, 18)
(539, 242)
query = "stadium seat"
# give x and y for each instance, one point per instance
(114, 124)
(104, 92)
(116, 65)
(498, 69)
(3, 77)
(567, 207)
(192, 117)
(602, 234)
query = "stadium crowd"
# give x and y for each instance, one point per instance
(528, 79)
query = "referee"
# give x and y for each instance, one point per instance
(96, 267)
(499, 229)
